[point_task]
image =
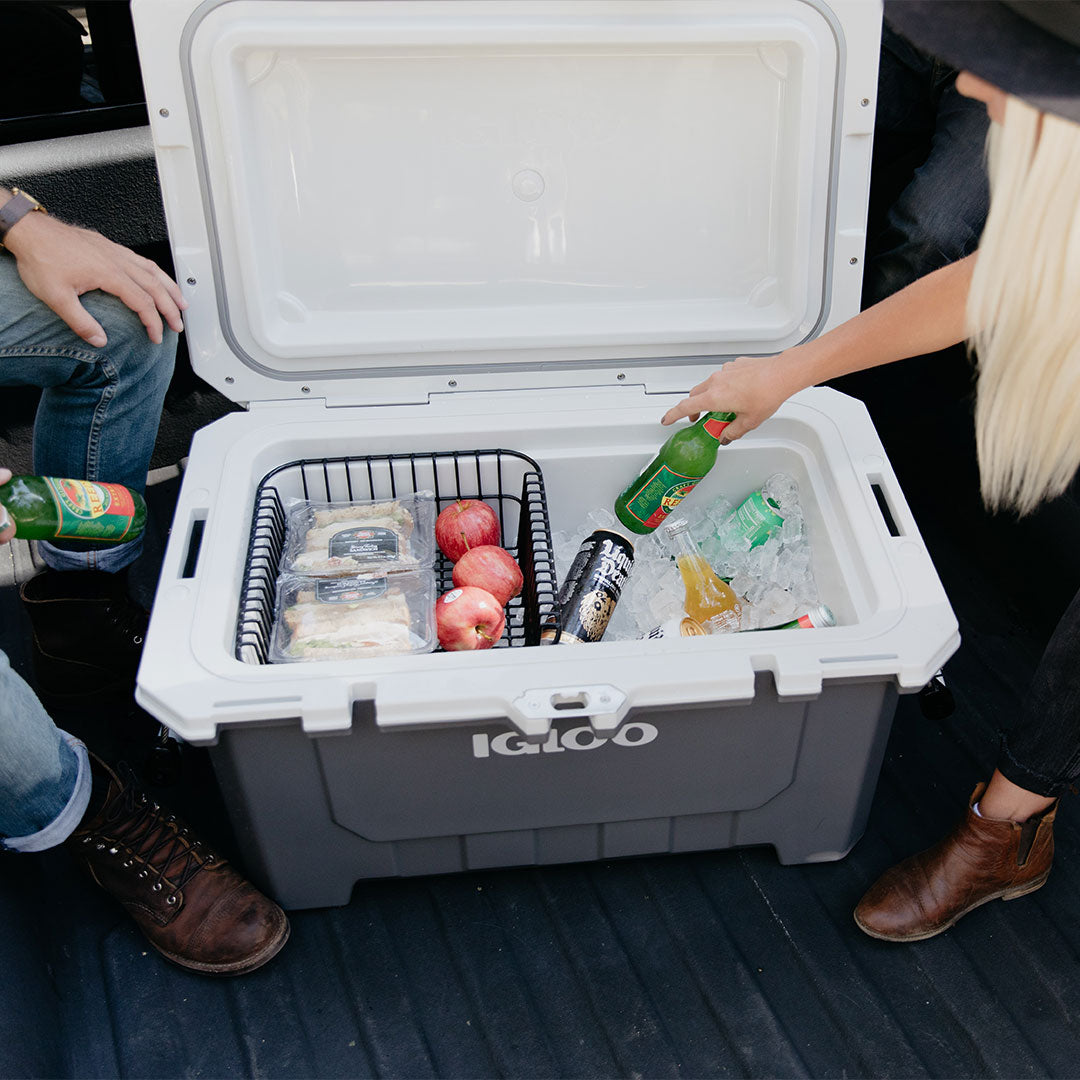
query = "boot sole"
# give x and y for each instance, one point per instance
(238, 967)
(1005, 894)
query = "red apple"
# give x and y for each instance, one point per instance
(465, 524)
(468, 618)
(492, 568)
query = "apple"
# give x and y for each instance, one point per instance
(492, 568)
(465, 524)
(468, 618)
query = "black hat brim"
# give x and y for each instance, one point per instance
(989, 39)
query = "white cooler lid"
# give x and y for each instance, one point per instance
(370, 200)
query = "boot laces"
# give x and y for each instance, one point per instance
(129, 620)
(159, 839)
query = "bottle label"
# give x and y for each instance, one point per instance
(715, 425)
(658, 495)
(91, 510)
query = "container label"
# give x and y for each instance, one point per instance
(658, 495)
(92, 510)
(756, 518)
(512, 743)
(715, 425)
(349, 590)
(587, 606)
(364, 544)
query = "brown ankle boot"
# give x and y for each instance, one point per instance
(980, 860)
(193, 907)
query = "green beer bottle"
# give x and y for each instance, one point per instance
(44, 507)
(675, 471)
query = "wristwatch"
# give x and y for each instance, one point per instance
(15, 209)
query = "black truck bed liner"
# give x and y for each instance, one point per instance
(710, 964)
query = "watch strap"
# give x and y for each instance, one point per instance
(15, 209)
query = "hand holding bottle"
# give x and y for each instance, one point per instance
(752, 387)
(7, 528)
(44, 507)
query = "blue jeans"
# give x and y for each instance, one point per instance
(44, 772)
(97, 420)
(100, 408)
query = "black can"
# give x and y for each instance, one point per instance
(592, 588)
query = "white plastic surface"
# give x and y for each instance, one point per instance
(895, 622)
(531, 224)
(378, 199)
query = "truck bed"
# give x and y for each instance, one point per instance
(700, 965)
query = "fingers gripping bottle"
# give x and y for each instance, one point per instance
(675, 471)
(710, 601)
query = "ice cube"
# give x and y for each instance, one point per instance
(782, 489)
(599, 519)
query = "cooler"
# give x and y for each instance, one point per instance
(480, 248)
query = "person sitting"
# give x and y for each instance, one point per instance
(94, 325)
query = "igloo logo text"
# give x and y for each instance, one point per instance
(512, 743)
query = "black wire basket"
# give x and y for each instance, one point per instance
(509, 482)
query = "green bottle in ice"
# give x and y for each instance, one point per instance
(45, 507)
(675, 471)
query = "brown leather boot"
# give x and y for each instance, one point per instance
(980, 860)
(193, 907)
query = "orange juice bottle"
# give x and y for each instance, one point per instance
(709, 600)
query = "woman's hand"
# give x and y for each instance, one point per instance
(752, 387)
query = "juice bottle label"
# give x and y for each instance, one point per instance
(88, 509)
(658, 495)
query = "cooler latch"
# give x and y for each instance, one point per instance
(603, 707)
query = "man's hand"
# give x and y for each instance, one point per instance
(752, 387)
(58, 263)
(7, 529)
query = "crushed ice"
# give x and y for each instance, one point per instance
(774, 580)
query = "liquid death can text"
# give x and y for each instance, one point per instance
(592, 588)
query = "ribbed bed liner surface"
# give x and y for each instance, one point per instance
(711, 964)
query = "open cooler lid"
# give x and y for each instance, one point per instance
(390, 197)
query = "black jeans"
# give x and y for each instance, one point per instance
(1041, 752)
(929, 192)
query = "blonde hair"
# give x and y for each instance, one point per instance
(1023, 311)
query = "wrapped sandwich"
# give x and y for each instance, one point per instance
(337, 539)
(354, 618)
